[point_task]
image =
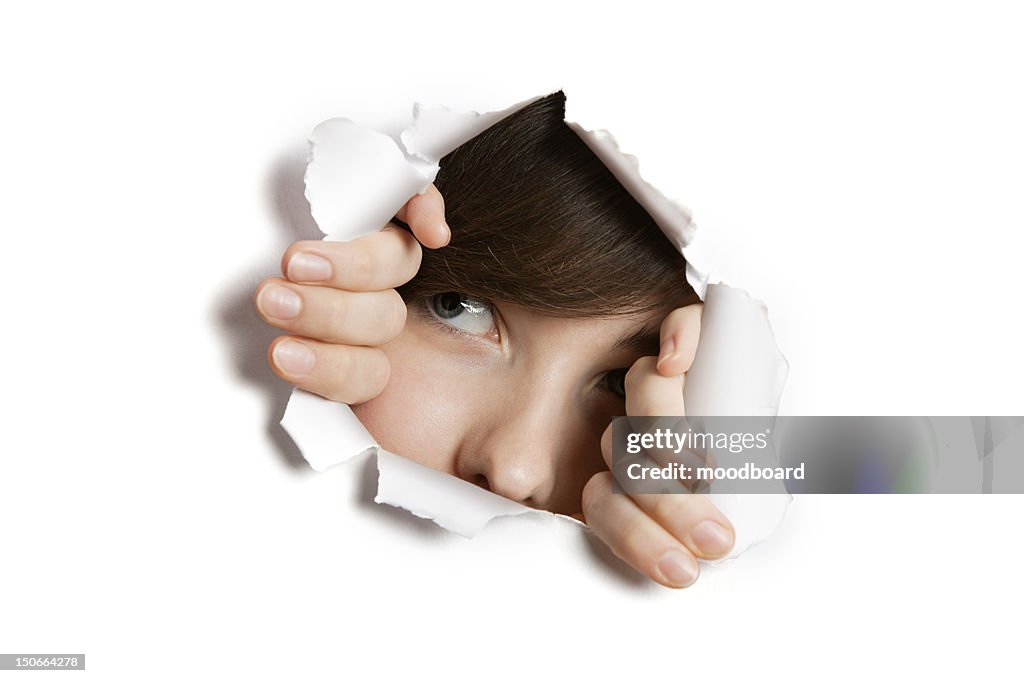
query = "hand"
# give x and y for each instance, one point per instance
(339, 303)
(659, 535)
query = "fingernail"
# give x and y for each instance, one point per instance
(668, 347)
(308, 268)
(678, 568)
(711, 538)
(294, 358)
(279, 302)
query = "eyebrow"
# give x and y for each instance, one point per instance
(646, 341)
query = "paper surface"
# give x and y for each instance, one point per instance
(344, 196)
(356, 181)
(738, 369)
(327, 433)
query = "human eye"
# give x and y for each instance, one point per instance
(462, 312)
(614, 381)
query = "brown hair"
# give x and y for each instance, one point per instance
(539, 221)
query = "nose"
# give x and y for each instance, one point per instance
(513, 451)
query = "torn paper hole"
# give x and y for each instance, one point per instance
(357, 180)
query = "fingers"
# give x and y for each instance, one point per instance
(648, 392)
(635, 537)
(652, 394)
(653, 457)
(331, 315)
(689, 517)
(347, 374)
(339, 300)
(660, 535)
(680, 331)
(381, 260)
(424, 214)
(692, 519)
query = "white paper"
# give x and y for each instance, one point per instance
(346, 197)
(450, 502)
(327, 433)
(738, 369)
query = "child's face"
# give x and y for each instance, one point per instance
(506, 398)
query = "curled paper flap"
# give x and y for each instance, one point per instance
(452, 503)
(754, 517)
(327, 433)
(356, 181)
(358, 178)
(698, 278)
(738, 370)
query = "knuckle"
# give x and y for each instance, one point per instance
(646, 365)
(668, 506)
(399, 311)
(360, 264)
(640, 370)
(343, 368)
(595, 493)
(633, 543)
(381, 372)
(339, 310)
(415, 251)
(410, 254)
(631, 379)
(369, 375)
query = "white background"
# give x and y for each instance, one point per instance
(859, 169)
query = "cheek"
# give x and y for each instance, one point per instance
(422, 412)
